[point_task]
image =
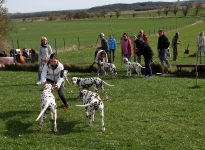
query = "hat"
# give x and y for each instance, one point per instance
(102, 34)
(160, 30)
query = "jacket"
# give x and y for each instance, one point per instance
(45, 51)
(112, 44)
(163, 42)
(54, 74)
(98, 57)
(146, 51)
(126, 49)
(200, 41)
(104, 45)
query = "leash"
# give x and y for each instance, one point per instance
(64, 108)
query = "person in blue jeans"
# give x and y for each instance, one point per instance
(143, 48)
(163, 45)
(45, 51)
(112, 47)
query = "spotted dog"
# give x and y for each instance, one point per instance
(88, 82)
(132, 66)
(65, 77)
(109, 67)
(92, 102)
(47, 102)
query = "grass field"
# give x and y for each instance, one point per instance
(165, 112)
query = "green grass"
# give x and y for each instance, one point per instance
(165, 112)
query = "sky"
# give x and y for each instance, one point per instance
(26, 6)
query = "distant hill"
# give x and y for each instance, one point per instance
(133, 6)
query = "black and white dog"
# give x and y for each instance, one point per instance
(92, 102)
(132, 66)
(88, 82)
(47, 102)
(109, 67)
(65, 77)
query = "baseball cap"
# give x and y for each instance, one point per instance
(102, 34)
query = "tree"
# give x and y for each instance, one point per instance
(103, 13)
(185, 9)
(167, 10)
(6, 26)
(175, 9)
(69, 15)
(198, 6)
(98, 15)
(117, 12)
(110, 15)
(159, 11)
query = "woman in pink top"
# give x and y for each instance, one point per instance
(126, 46)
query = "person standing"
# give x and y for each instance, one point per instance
(144, 38)
(53, 72)
(201, 43)
(126, 46)
(143, 48)
(112, 47)
(105, 46)
(45, 51)
(175, 43)
(163, 45)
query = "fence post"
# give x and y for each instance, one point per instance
(13, 51)
(18, 43)
(78, 43)
(64, 42)
(56, 47)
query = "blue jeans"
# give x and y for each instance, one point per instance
(200, 49)
(148, 69)
(163, 58)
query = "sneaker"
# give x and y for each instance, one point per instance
(67, 105)
(98, 75)
(147, 76)
(38, 83)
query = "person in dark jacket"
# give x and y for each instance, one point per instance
(143, 48)
(163, 45)
(105, 46)
(144, 38)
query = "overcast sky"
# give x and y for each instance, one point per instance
(24, 6)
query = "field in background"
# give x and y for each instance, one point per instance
(83, 35)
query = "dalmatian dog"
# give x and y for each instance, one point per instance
(88, 82)
(109, 67)
(47, 102)
(92, 102)
(132, 65)
(65, 77)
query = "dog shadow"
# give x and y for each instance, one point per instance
(14, 127)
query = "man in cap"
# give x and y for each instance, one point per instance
(163, 45)
(105, 46)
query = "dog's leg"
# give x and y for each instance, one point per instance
(43, 118)
(55, 118)
(102, 119)
(102, 88)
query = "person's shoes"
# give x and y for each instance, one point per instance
(38, 83)
(147, 76)
(67, 105)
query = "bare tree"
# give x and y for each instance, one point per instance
(103, 13)
(110, 15)
(159, 11)
(69, 16)
(6, 26)
(198, 6)
(185, 9)
(167, 10)
(98, 15)
(175, 9)
(117, 12)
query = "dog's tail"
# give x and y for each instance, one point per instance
(84, 105)
(42, 111)
(107, 83)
